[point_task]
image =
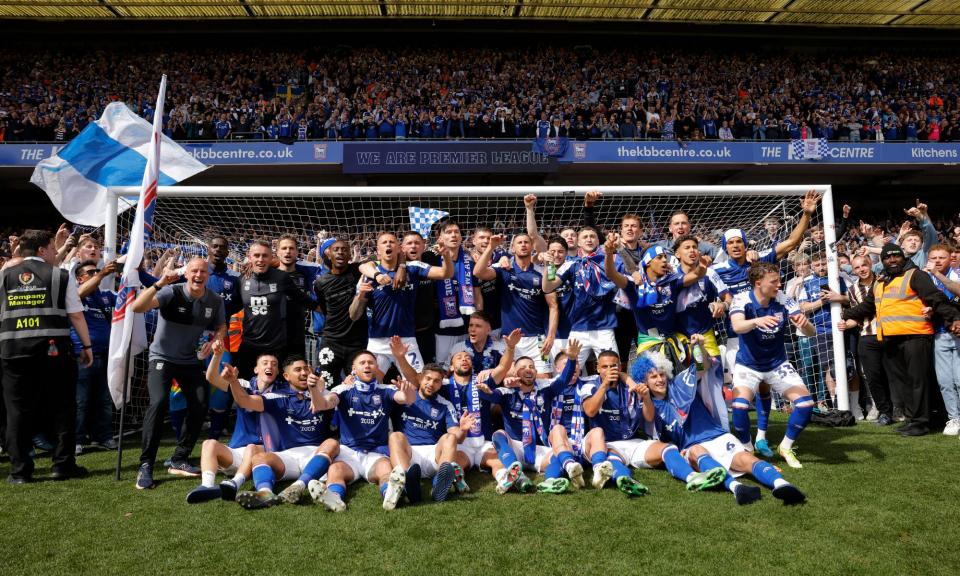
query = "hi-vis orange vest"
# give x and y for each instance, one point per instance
(899, 308)
(235, 332)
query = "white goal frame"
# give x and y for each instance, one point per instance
(829, 224)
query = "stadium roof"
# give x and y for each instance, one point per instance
(880, 13)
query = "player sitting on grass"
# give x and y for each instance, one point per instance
(675, 407)
(524, 441)
(296, 431)
(364, 407)
(426, 443)
(461, 389)
(245, 441)
(613, 404)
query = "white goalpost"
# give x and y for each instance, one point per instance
(186, 217)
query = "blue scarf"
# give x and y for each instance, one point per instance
(532, 427)
(454, 304)
(456, 397)
(577, 423)
(590, 273)
(362, 386)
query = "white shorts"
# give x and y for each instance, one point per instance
(530, 346)
(237, 460)
(540, 460)
(359, 461)
(723, 449)
(474, 448)
(595, 341)
(559, 345)
(426, 456)
(633, 451)
(728, 354)
(780, 379)
(381, 348)
(445, 345)
(294, 459)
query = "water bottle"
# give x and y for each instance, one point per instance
(545, 356)
(52, 349)
(551, 271)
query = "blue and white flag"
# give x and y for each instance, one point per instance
(109, 152)
(422, 219)
(809, 149)
(128, 335)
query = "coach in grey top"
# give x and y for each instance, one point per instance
(187, 310)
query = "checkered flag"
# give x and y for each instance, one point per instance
(422, 219)
(809, 149)
(823, 147)
(796, 149)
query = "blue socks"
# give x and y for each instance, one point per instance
(800, 417)
(263, 477)
(765, 473)
(315, 468)
(383, 490)
(564, 457)
(619, 468)
(676, 464)
(764, 405)
(554, 468)
(706, 462)
(338, 489)
(741, 420)
(504, 452)
(598, 457)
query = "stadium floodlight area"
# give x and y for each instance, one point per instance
(188, 216)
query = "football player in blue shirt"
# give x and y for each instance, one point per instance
(691, 427)
(523, 304)
(391, 307)
(612, 403)
(761, 317)
(431, 428)
(484, 350)
(236, 456)
(733, 271)
(527, 439)
(556, 255)
(593, 313)
(462, 390)
(295, 426)
(653, 288)
(364, 407)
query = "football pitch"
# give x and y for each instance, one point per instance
(877, 504)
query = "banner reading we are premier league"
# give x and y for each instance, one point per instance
(436, 156)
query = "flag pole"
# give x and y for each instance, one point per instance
(123, 411)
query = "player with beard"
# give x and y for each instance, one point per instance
(391, 307)
(342, 336)
(484, 350)
(295, 426)
(266, 293)
(429, 432)
(303, 275)
(527, 438)
(413, 246)
(523, 305)
(462, 390)
(489, 290)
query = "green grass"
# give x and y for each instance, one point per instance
(878, 504)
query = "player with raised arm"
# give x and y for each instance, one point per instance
(413, 246)
(760, 317)
(523, 304)
(527, 437)
(489, 288)
(593, 312)
(462, 390)
(653, 288)
(556, 255)
(364, 407)
(675, 407)
(612, 402)
(236, 456)
(295, 426)
(391, 307)
(431, 428)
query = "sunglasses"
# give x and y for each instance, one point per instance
(90, 271)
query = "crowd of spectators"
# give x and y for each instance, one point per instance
(413, 92)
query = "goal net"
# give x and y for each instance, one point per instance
(186, 217)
